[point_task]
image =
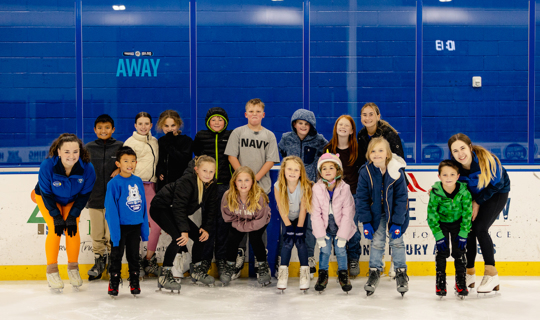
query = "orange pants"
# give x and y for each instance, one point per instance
(52, 243)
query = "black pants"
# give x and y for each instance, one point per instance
(218, 236)
(488, 213)
(165, 219)
(450, 231)
(130, 239)
(255, 239)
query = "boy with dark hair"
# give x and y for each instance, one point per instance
(449, 217)
(125, 211)
(102, 156)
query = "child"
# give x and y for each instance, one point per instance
(245, 207)
(103, 157)
(344, 142)
(125, 211)
(147, 149)
(293, 197)
(66, 179)
(381, 200)
(304, 142)
(213, 142)
(254, 146)
(332, 217)
(174, 149)
(449, 217)
(171, 209)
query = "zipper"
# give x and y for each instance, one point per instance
(217, 161)
(387, 206)
(104, 165)
(153, 155)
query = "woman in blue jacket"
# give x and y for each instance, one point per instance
(66, 179)
(489, 185)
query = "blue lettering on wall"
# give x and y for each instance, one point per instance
(132, 67)
(505, 210)
(411, 209)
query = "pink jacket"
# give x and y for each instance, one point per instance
(244, 220)
(342, 206)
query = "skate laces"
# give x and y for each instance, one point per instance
(263, 268)
(282, 273)
(402, 277)
(354, 264)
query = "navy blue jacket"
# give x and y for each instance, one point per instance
(310, 149)
(55, 187)
(500, 183)
(395, 196)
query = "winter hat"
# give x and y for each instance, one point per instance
(329, 157)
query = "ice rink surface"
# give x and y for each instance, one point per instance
(519, 298)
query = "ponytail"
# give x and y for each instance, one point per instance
(488, 163)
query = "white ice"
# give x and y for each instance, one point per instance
(519, 298)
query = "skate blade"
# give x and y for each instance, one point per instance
(167, 292)
(304, 291)
(76, 288)
(369, 293)
(57, 290)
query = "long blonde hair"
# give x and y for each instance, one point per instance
(255, 193)
(305, 184)
(487, 161)
(373, 143)
(200, 184)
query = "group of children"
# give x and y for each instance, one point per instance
(220, 197)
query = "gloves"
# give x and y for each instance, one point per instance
(368, 231)
(59, 225)
(289, 233)
(395, 231)
(300, 235)
(71, 226)
(322, 242)
(462, 242)
(442, 245)
(341, 243)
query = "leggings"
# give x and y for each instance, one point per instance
(155, 230)
(255, 239)
(52, 243)
(487, 214)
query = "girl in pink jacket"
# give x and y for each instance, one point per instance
(332, 218)
(245, 207)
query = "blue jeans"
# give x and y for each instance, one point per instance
(353, 245)
(310, 239)
(341, 254)
(377, 248)
(287, 247)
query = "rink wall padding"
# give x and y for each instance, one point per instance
(514, 233)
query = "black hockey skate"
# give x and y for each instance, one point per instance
(114, 283)
(440, 284)
(344, 282)
(228, 272)
(263, 273)
(402, 281)
(461, 285)
(134, 286)
(354, 269)
(199, 273)
(373, 281)
(166, 280)
(221, 266)
(322, 281)
(151, 266)
(98, 268)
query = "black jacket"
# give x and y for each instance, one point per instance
(213, 144)
(102, 157)
(182, 197)
(175, 152)
(382, 131)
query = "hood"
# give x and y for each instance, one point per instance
(306, 115)
(395, 165)
(438, 188)
(216, 111)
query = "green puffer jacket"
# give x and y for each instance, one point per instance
(443, 209)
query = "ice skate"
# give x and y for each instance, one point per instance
(98, 268)
(489, 284)
(312, 267)
(283, 277)
(221, 266)
(55, 282)
(151, 266)
(402, 281)
(75, 278)
(142, 265)
(278, 263)
(440, 284)
(228, 272)
(322, 281)
(263, 273)
(166, 280)
(178, 266)
(470, 280)
(199, 273)
(373, 281)
(392, 271)
(461, 286)
(240, 260)
(134, 286)
(344, 282)
(114, 283)
(304, 278)
(354, 268)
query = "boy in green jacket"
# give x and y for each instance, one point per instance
(449, 217)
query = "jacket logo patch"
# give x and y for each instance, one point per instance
(57, 183)
(80, 180)
(134, 201)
